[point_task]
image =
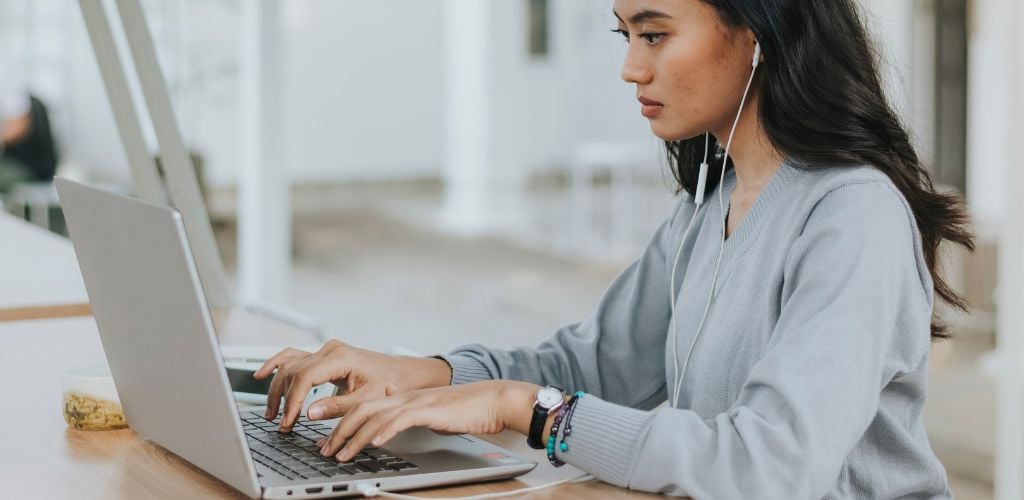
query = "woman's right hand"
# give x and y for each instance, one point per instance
(366, 375)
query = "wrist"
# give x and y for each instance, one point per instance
(516, 399)
(428, 372)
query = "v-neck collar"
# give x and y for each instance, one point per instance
(767, 201)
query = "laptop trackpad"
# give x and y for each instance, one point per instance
(454, 451)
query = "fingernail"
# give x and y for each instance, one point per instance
(377, 440)
(316, 412)
(342, 455)
(323, 451)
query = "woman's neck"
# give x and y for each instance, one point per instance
(754, 158)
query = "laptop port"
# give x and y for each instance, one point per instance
(339, 487)
(318, 489)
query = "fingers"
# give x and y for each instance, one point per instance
(276, 361)
(352, 422)
(296, 390)
(277, 387)
(398, 422)
(366, 432)
(336, 406)
(381, 428)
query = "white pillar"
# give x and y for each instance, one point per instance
(1009, 473)
(264, 204)
(468, 146)
(988, 135)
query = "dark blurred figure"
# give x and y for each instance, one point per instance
(27, 148)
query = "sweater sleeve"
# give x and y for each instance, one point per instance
(618, 353)
(854, 295)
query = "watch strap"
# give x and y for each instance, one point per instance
(540, 417)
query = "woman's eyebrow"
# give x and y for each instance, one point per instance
(644, 15)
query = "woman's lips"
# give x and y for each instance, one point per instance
(650, 108)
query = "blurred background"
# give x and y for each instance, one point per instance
(420, 174)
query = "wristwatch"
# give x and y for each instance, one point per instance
(549, 400)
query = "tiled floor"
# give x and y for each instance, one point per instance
(376, 274)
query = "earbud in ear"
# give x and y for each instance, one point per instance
(757, 54)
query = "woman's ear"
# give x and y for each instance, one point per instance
(754, 44)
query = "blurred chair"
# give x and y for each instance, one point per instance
(626, 167)
(36, 202)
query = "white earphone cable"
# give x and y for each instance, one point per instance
(369, 490)
(679, 374)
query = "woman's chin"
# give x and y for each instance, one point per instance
(668, 133)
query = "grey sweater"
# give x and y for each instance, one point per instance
(809, 377)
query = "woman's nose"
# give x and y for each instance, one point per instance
(635, 69)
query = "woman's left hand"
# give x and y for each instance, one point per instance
(486, 407)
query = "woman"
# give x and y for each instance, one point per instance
(787, 323)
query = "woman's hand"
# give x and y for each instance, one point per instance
(366, 374)
(485, 407)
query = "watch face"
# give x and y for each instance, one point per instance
(548, 397)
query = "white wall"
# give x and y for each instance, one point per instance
(604, 107)
(363, 89)
(364, 86)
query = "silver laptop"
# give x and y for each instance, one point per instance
(160, 343)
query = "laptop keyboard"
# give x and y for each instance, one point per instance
(295, 455)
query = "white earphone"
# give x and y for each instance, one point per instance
(698, 200)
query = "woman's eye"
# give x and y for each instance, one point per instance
(652, 38)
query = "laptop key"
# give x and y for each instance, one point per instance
(261, 450)
(360, 468)
(350, 470)
(309, 434)
(322, 466)
(373, 465)
(401, 466)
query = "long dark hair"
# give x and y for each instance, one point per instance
(821, 103)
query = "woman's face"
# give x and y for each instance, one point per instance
(689, 67)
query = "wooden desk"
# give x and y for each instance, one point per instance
(42, 458)
(39, 275)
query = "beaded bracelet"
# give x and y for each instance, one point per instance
(568, 420)
(553, 435)
(564, 415)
